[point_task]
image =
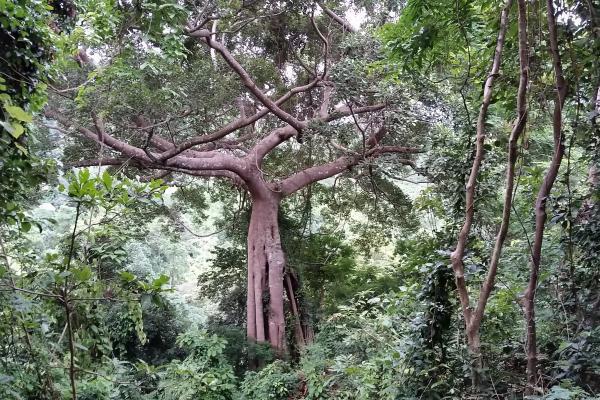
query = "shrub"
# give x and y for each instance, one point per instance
(276, 381)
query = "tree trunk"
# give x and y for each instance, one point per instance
(473, 316)
(266, 261)
(295, 308)
(474, 346)
(542, 197)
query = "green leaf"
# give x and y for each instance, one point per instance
(107, 180)
(25, 226)
(18, 113)
(157, 300)
(82, 274)
(127, 276)
(161, 280)
(17, 130)
(22, 149)
(80, 346)
(84, 176)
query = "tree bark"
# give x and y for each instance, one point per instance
(473, 317)
(266, 261)
(474, 346)
(341, 21)
(299, 335)
(540, 204)
(518, 128)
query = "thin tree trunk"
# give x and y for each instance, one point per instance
(472, 330)
(298, 332)
(476, 359)
(266, 263)
(516, 132)
(71, 348)
(275, 266)
(540, 204)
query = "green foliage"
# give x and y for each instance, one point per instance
(429, 35)
(104, 191)
(203, 374)
(26, 45)
(567, 391)
(276, 381)
(224, 283)
(99, 277)
(370, 350)
(66, 293)
(240, 352)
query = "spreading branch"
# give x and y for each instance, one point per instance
(341, 21)
(212, 161)
(280, 135)
(206, 36)
(235, 125)
(206, 155)
(308, 176)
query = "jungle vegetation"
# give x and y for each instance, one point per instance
(286, 199)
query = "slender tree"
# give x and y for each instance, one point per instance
(561, 89)
(474, 316)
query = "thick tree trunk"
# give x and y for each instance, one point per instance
(266, 261)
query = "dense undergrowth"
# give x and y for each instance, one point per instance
(401, 339)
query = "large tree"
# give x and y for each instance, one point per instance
(184, 111)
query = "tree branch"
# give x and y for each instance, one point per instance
(94, 162)
(232, 176)
(344, 111)
(100, 137)
(308, 176)
(325, 47)
(269, 142)
(542, 197)
(164, 170)
(235, 125)
(164, 145)
(342, 22)
(211, 161)
(516, 132)
(280, 135)
(206, 36)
